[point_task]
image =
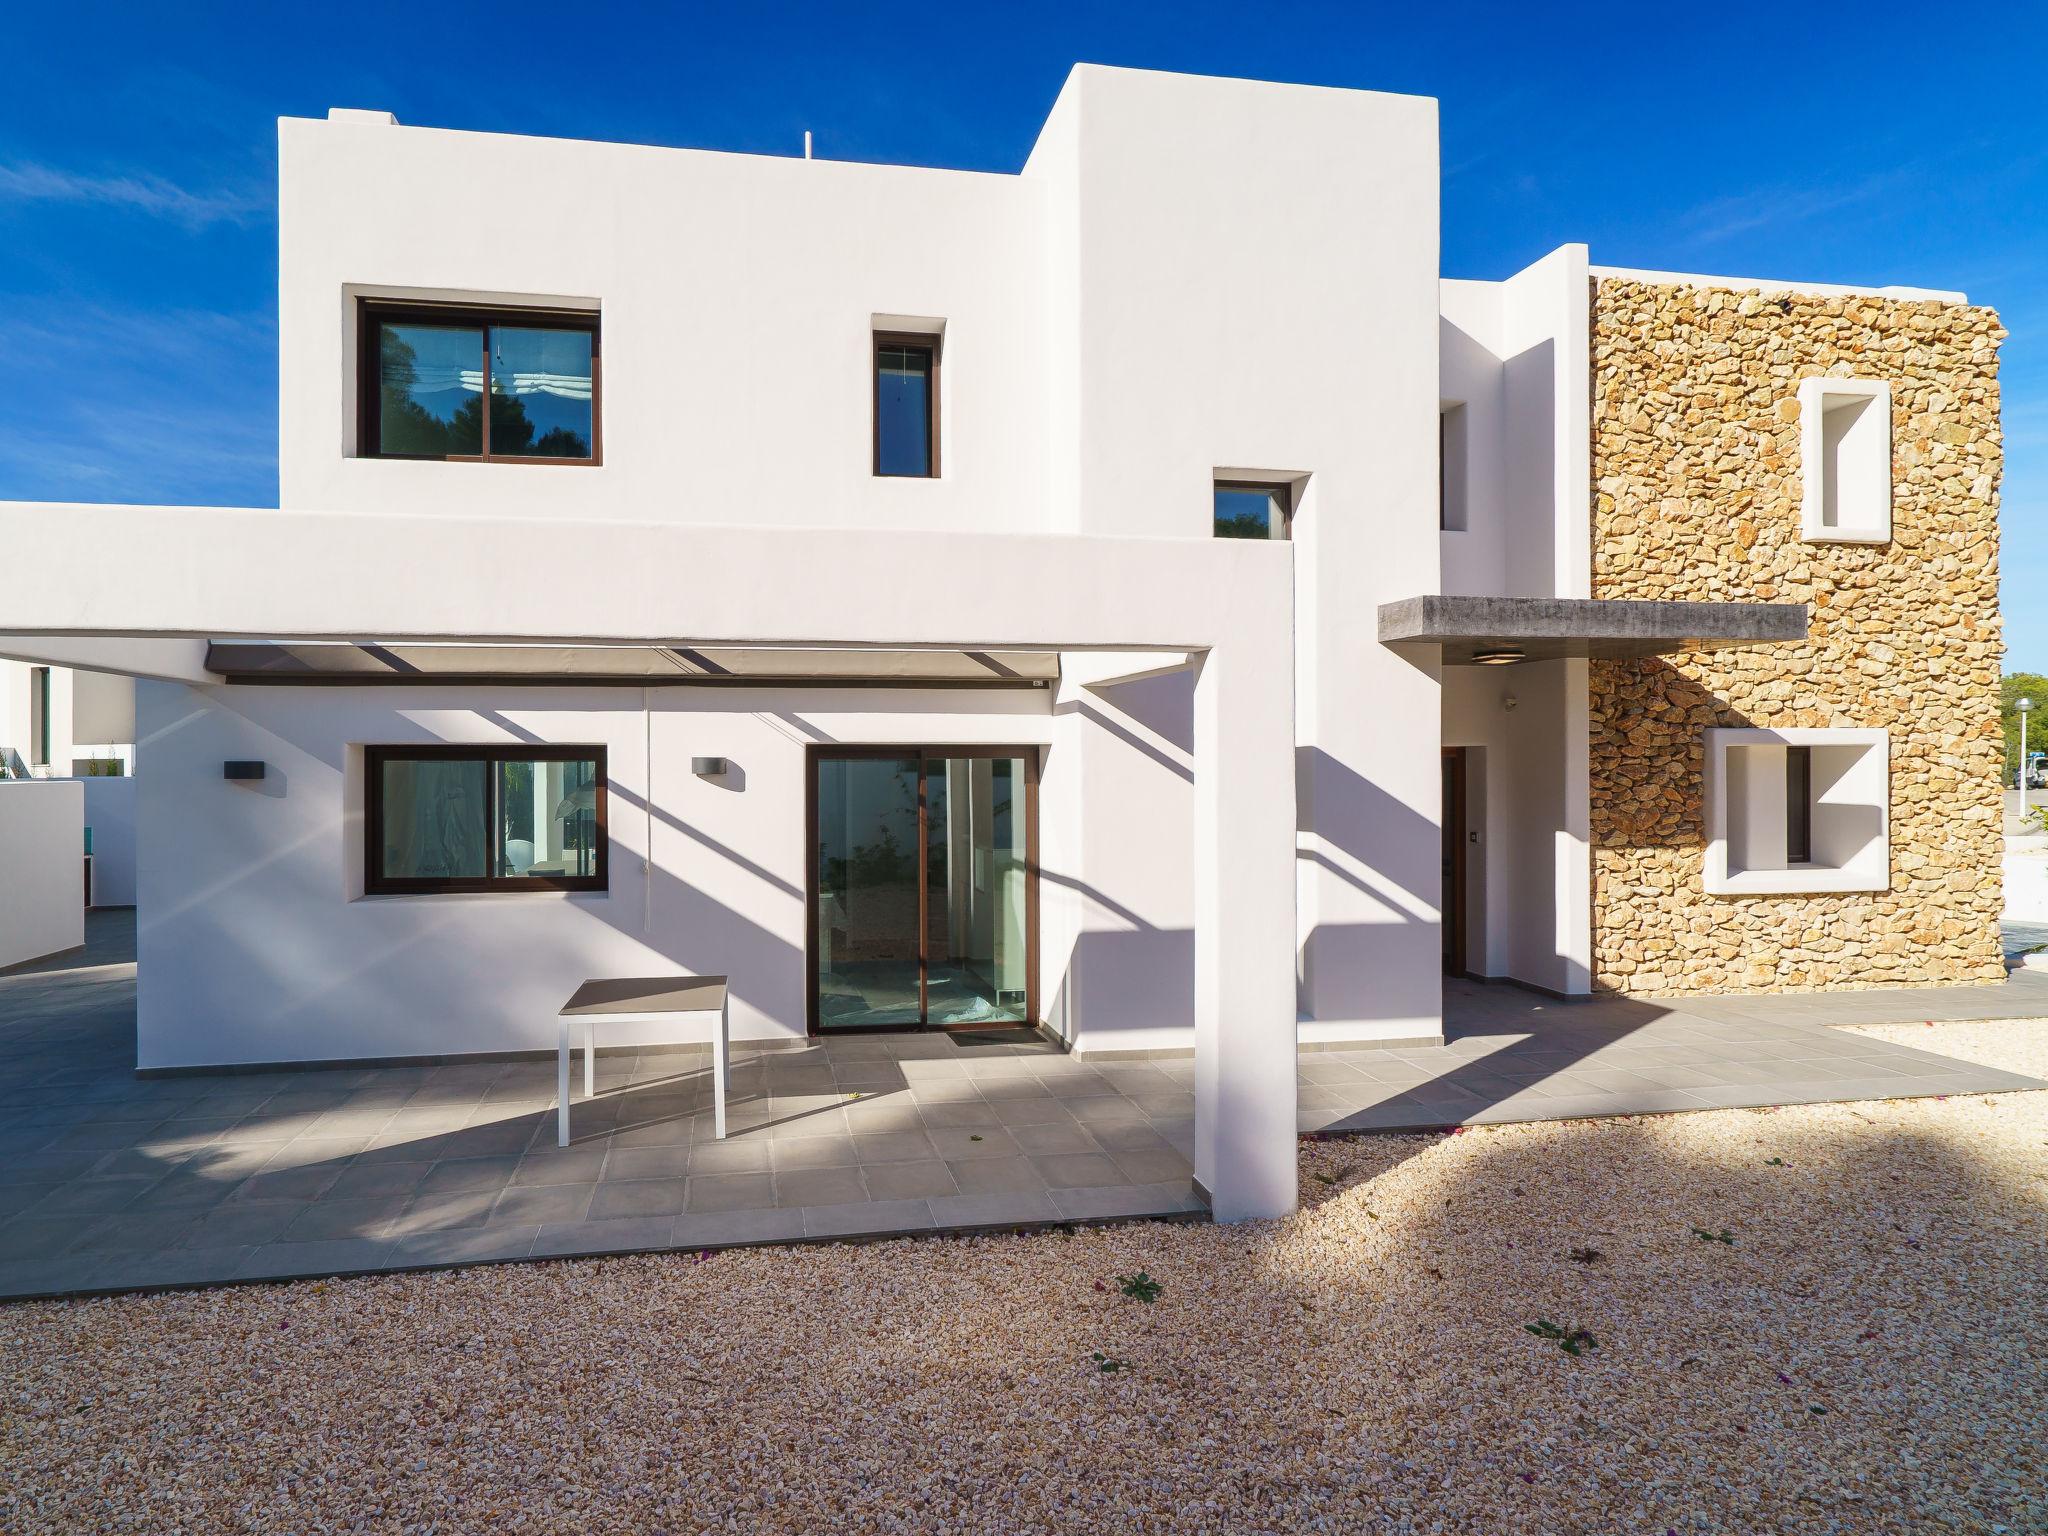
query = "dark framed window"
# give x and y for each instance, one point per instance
(446, 381)
(906, 373)
(459, 818)
(1799, 805)
(1245, 510)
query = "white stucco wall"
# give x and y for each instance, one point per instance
(257, 942)
(110, 805)
(42, 876)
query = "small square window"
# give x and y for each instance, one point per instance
(1247, 510)
(1845, 454)
(906, 405)
(1797, 811)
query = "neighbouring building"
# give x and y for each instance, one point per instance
(804, 571)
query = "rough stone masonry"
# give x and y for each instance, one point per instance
(1697, 491)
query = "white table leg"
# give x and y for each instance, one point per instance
(590, 1058)
(721, 1066)
(562, 1087)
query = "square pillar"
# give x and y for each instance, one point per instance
(1245, 1030)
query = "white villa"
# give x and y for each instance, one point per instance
(1137, 598)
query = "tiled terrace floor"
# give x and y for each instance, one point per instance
(109, 1182)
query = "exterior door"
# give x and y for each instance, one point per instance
(923, 888)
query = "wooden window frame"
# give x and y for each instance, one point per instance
(921, 341)
(377, 883)
(371, 313)
(1284, 489)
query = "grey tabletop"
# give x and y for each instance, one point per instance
(647, 994)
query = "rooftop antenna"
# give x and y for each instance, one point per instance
(807, 143)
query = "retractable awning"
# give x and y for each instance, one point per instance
(1483, 631)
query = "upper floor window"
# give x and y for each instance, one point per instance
(1245, 510)
(1451, 467)
(458, 818)
(448, 382)
(906, 405)
(1845, 451)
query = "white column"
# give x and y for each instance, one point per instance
(1245, 1043)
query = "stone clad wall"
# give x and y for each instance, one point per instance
(1697, 495)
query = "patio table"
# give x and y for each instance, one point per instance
(642, 1000)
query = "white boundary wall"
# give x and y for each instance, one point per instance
(42, 873)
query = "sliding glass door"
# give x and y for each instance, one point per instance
(922, 909)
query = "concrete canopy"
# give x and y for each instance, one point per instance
(1548, 628)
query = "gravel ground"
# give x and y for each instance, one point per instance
(1862, 1354)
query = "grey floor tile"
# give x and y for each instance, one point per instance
(47, 1276)
(881, 1117)
(638, 1234)
(243, 1223)
(718, 1229)
(1077, 1170)
(725, 1192)
(577, 1165)
(637, 1198)
(869, 1218)
(647, 1163)
(733, 1155)
(330, 1219)
(892, 1147)
(132, 1232)
(998, 1175)
(450, 1211)
(977, 1114)
(340, 1256)
(377, 1179)
(812, 1152)
(819, 1186)
(1152, 1167)
(1119, 1200)
(542, 1204)
(1010, 1208)
(469, 1173)
(1044, 1110)
(963, 1143)
(1065, 1137)
(911, 1180)
(474, 1245)
(171, 1266)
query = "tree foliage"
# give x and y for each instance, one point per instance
(2015, 686)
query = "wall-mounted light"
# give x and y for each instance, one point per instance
(1498, 656)
(708, 767)
(1508, 701)
(241, 770)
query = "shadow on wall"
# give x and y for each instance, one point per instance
(1647, 754)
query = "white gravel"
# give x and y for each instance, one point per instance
(1866, 1355)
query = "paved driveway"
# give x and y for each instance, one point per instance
(108, 1182)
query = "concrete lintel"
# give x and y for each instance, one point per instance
(1550, 628)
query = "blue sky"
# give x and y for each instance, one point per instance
(1903, 144)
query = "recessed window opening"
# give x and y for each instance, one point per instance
(1452, 468)
(906, 381)
(1249, 510)
(462, 818)
(448, 382)
(1798, 805)
(1845, 449)
(39, 716)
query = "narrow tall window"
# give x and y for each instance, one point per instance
(39, 716)
(452, 383)
(906, 405)
(1799, 805)
(1451, 471)
(1250, 511)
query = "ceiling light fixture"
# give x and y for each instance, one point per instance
(1498, 656)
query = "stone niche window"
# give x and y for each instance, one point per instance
(1795, 811)
(1845, 453)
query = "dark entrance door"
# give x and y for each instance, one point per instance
(1454, 860)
